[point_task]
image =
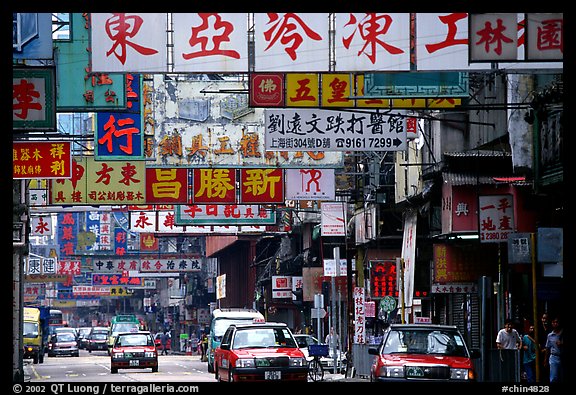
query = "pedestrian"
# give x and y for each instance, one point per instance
(529, 349)
(332, 338)
(543, 331)
(164, 341)
(508, 337)
(204, 347)
(554, 351)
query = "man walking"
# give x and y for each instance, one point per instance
(508, 337)
(164, 341)
(554, 349)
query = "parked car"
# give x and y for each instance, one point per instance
(259, 352)
(63, 343)
(133, 350)
(327, 362)
(158, 341)
(419, 352)
(83, 333)
(97, 341)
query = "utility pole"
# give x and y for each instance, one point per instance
(333, 306)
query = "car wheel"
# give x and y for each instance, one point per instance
(155, 369)
(113, 370)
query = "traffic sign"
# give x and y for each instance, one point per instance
(318, 313)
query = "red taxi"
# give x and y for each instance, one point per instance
(419, 352)
(134, 350)
(259, 352)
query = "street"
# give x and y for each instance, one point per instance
(95, 367)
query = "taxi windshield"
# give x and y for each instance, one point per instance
(436, 342)
(263, 338)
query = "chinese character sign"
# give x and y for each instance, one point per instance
(372, 41)
(41, 225)
(214, 186)
(358, 295)
(267, 90)
(67, 233)
(383, 276)
(330, 130)
(167, 185)
(545, 37)
(333, 219)
(204, 42)
(291, 41)
(129, 42)
(41, 159)
(496, 218)
(261, 186)
(119, 136)
(97, 182)
(79, 87)
(33, 99)
(493, 37)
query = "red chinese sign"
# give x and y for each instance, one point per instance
(267, 90)
(453, 264)
(261, 186)
(41, 160)
(383, 277)
(148, 242)
(167, 186)
(214, 186)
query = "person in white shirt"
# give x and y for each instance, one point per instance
(508, 337)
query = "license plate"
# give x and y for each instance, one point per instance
(134, 362)
(414, 371)
(272, 375)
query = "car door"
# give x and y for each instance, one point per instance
(222, 356)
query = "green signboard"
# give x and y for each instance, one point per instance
(415, 85)
(78, 88)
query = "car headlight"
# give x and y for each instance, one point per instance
(461, 374)
(118, 355)
(392, 371)
(298, 362)
(245, 363)
(149, 354)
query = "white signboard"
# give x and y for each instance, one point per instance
(310, 184)
(307, 129)
(372, 41)
(221, 286)
(330, 267)
(207, 42)
(124, 42)
(281, 287)
(333, 219)
(291, 42)
(41, 225)
(496, 218)
(359, 315)
(409, 256)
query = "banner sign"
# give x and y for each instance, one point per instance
(328, 130)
